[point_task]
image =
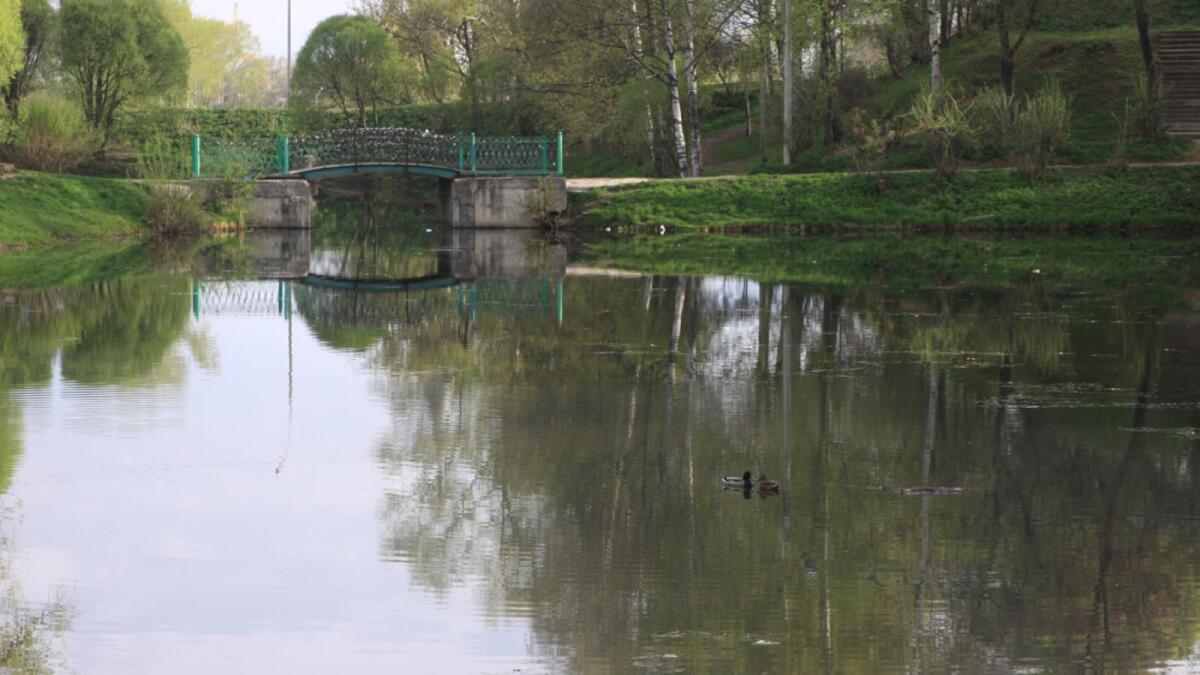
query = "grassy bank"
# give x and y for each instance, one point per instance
(982, 200)
(1105, 261)
(40, 208)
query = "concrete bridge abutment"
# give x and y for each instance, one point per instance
(282, 204)
(503, 201)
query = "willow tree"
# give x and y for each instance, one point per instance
(352, 61)
(118, 50)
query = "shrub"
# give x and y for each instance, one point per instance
(869, 143)
(52, 135)
(231, 194)
(1143, 110)
(175, 211)
(945, 128)
(159, 158)
(1041, 127)
(992, 114)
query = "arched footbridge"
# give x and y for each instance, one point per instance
(343, 152)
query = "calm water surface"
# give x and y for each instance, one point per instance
(514, 465)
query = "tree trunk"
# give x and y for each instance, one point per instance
(946, 18)
(1008, 49)
(693, 87)
(1006, 55)
(828, 63)
(935, 48)
(639, 46)
(1149, 60)
(749, 112)
(764, 98)
(788, 82)
(672, 80)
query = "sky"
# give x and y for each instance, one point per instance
(268, 18)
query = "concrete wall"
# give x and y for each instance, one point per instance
(508, 201)
(282, 204)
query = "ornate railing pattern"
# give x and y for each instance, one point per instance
(463, 154)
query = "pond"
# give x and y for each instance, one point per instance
(486, 458)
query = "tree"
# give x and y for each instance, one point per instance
(788, 82)
(118, 50)
(11, 38)
(227, 67)
(351, 60)
(1005, 11)
(37, 20)
(935, 47)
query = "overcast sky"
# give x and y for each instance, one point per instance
(268, 18)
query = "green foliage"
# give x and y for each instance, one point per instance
(52, 135)
(37, 20)
(226, 67)
(869, 141)
(992, 199)
(119, 50)
(1082, 15)
(1096, 70)
(351, 62)
(945, 129)
(230, 195)
(1144, 108)
(175, 211)
(1041, 128)
(992, 114)
(162, 158)
(41, 208)
(12, 37)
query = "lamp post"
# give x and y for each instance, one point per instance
(289, 50)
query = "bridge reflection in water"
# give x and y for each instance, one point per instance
(357, 284)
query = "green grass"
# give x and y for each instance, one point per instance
(897, 261)
(38, 208)
(991, 199)
(602, 164)
(1096, 69)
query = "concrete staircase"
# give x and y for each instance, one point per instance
(1179, 53)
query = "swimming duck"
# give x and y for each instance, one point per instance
(735, 483)
(747, 483)
(765, 485)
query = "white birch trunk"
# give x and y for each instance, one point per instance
(788, 82)
(693, 87)
(676, 109)
(935, 47)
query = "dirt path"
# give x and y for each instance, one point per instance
(708, 154)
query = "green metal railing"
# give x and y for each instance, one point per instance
(463, 154)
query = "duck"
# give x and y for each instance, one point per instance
(747, 483)
(736, 483)
(765, 485)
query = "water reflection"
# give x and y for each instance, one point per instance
(530, 458)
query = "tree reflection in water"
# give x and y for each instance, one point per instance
(570, 472)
